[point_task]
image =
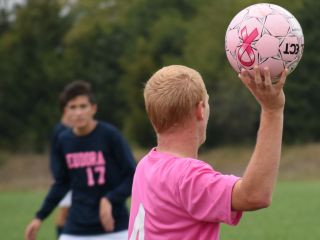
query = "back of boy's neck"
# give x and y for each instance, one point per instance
(180, 146)
(178, 152)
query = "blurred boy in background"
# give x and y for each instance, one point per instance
(95, 162)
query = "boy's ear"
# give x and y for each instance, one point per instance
(94, 108)
(200, 110)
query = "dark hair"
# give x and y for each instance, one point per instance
(75, 89)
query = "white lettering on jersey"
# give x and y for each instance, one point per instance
(138, 226)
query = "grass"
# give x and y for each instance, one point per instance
(17, 210)
(293, 215)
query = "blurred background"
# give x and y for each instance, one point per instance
(116, 45)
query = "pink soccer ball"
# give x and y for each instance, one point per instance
(266, 35)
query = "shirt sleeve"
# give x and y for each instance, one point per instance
(126, 165)
(206, 194)
(60, 186)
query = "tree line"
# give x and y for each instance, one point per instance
(117, 45)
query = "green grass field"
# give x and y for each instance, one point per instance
(294, 215)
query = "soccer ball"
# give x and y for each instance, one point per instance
(266, 35)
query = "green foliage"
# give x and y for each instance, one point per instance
(30, 56)
(157, 42)
(303, 99)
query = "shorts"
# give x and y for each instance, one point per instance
(122, 235)
(66, 201)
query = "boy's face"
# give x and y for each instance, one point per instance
(81, 111)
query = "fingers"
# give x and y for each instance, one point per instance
(245, 77)
(252, 84)
(33, 235)
(257, 76)
(30, 233)
(282, 80)
(260, 82)
(106, 217)
(267, 77)
(108, 223)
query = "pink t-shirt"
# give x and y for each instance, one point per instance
(177, 198)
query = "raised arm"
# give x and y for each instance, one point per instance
(254, 190)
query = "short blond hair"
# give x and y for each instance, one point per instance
(171, 94)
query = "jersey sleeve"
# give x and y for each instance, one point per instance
(126, 165)
(60, 186)
(206, 194)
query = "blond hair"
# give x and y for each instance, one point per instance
(171, 94)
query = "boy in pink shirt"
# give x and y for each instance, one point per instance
(174, 195)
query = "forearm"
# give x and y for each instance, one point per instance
(260, 176)
(121, 192)
(54, 196)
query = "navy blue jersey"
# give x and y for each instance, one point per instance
(58, 129)
(92, 166)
